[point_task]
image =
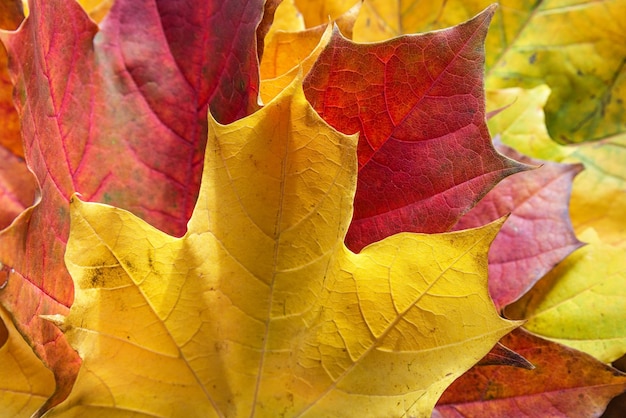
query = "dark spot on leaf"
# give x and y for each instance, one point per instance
(150, 261)
(130, 267)
(97, 278)
(532, 58)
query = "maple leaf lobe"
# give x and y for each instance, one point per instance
(261, 295)
(425, 156)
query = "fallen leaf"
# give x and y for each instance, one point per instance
(522, 124)
(380, 20)
(291, 19)
(599, 195)
(537, 235)
(345, 22)
(286, 50)
(260, 310)
(579, 50)
(321, 12)
(425, 156)
(564, 383)
(25, 383)
(597, 203)
(580, 303)
(118, 113)
(576, 47)
(289, 54)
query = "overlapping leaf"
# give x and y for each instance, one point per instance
(25, 383)
(288, 54)
(259, 309)
(287, 18)
(565, 383)
(597, 204)
(121, 117)
(425, 156)
(380, 20)
(598, 196)
(292, 49)
(319, 12)
(521, 123)
(576, 47)
(17, 187)
(581, 302)
(538, 233)
(598, 201)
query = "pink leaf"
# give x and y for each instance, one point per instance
(537, 235)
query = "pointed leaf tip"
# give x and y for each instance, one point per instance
(538, 233)
(416, 173)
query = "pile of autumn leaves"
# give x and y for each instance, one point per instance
(245, 301)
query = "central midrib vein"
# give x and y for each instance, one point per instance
(277, 233)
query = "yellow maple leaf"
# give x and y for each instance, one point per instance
(580, 303)
(25, 383)
(287, 54)
(260, 309)
(318, 12)
(290, 48)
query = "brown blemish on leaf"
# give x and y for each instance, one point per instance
(97, 278)
(129, 266)
(150, 261)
